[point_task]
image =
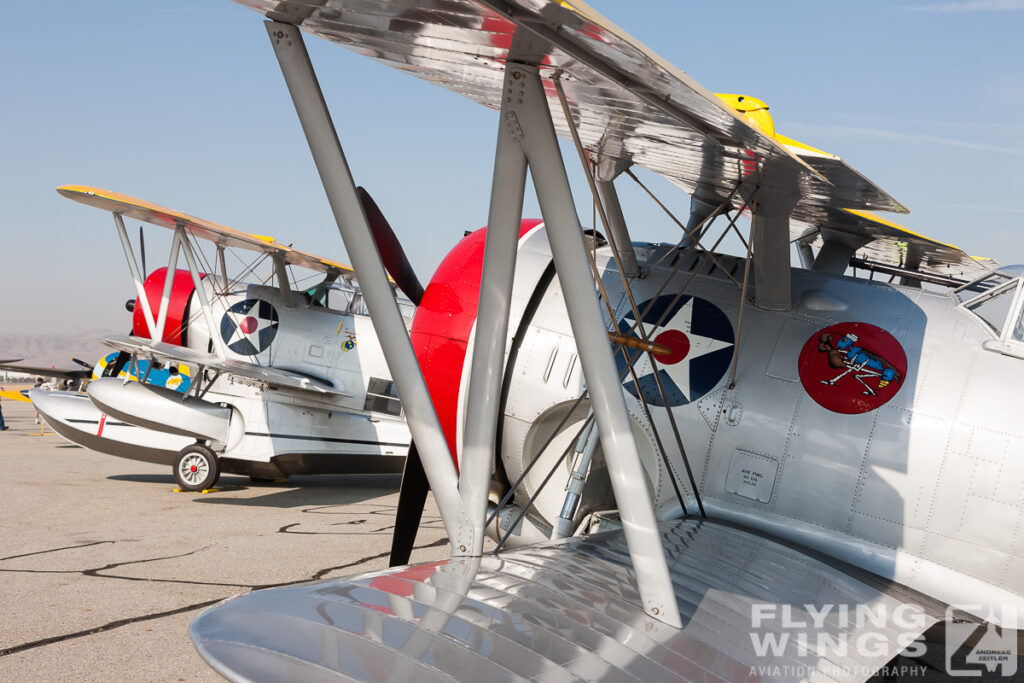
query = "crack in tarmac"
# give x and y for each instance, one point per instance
(95, 572)
(118, 623)
(387, 512)
(54, 550)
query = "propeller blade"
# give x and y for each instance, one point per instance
(391, 252)
(412, 496)
(115, 367)
(87, 366)
(142, 248)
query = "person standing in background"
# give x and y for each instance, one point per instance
(39, 383)
(3, 427)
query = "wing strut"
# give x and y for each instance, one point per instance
(484, 398)
(525, 120)
(179, 243)
(281, 271)
(223, 268)
(526, 112)
(193, 269)
(614, 235)
(155, 332)
(769, 236)
(373, 280)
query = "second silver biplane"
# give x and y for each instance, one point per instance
(221, 375)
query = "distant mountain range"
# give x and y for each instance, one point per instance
(54, 349)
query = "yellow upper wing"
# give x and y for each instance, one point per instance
(220, 235)
(884, 241)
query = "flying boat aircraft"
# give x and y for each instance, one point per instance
(220, 375)
(775, 455)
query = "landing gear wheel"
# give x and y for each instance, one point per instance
(196, 468)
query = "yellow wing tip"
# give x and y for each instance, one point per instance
(334, 264)
(874, 217)
(80, 192)
(71, 190)
(790, 142)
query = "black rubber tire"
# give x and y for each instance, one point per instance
(196, 468)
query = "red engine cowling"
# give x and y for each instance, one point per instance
(443, 323)
(176, 326)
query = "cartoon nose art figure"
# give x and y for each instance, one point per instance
(863, 363)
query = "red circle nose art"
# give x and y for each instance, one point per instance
(677, 341)
(851, 368)
(248, 325)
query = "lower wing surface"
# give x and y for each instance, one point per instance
(568, 611)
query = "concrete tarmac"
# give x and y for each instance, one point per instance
(104, 566)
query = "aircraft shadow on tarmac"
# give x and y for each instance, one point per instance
(296, 492)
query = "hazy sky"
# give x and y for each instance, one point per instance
(181, 102)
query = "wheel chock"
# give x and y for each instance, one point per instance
(203, 491)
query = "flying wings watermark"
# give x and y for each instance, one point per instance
(822, 635)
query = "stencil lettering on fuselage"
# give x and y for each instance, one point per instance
(852, 368)
(701, 339)
(751, 475)
(249, 326)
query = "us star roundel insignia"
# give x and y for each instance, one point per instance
(852, 368)
(701, 340)
(249, 326)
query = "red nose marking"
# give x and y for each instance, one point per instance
(248, 325)
(193, 468)
(675, 340)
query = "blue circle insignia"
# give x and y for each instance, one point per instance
(249, 326)
(699, 340)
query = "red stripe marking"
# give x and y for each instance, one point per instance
(103, 421)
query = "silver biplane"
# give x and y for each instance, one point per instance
(221, 375)
(798, 474)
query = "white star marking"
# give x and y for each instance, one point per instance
(699, 346)
(254, 336)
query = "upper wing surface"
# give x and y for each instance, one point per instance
(885, 241)
(220, 235)
(896, 245)
(627, 102)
